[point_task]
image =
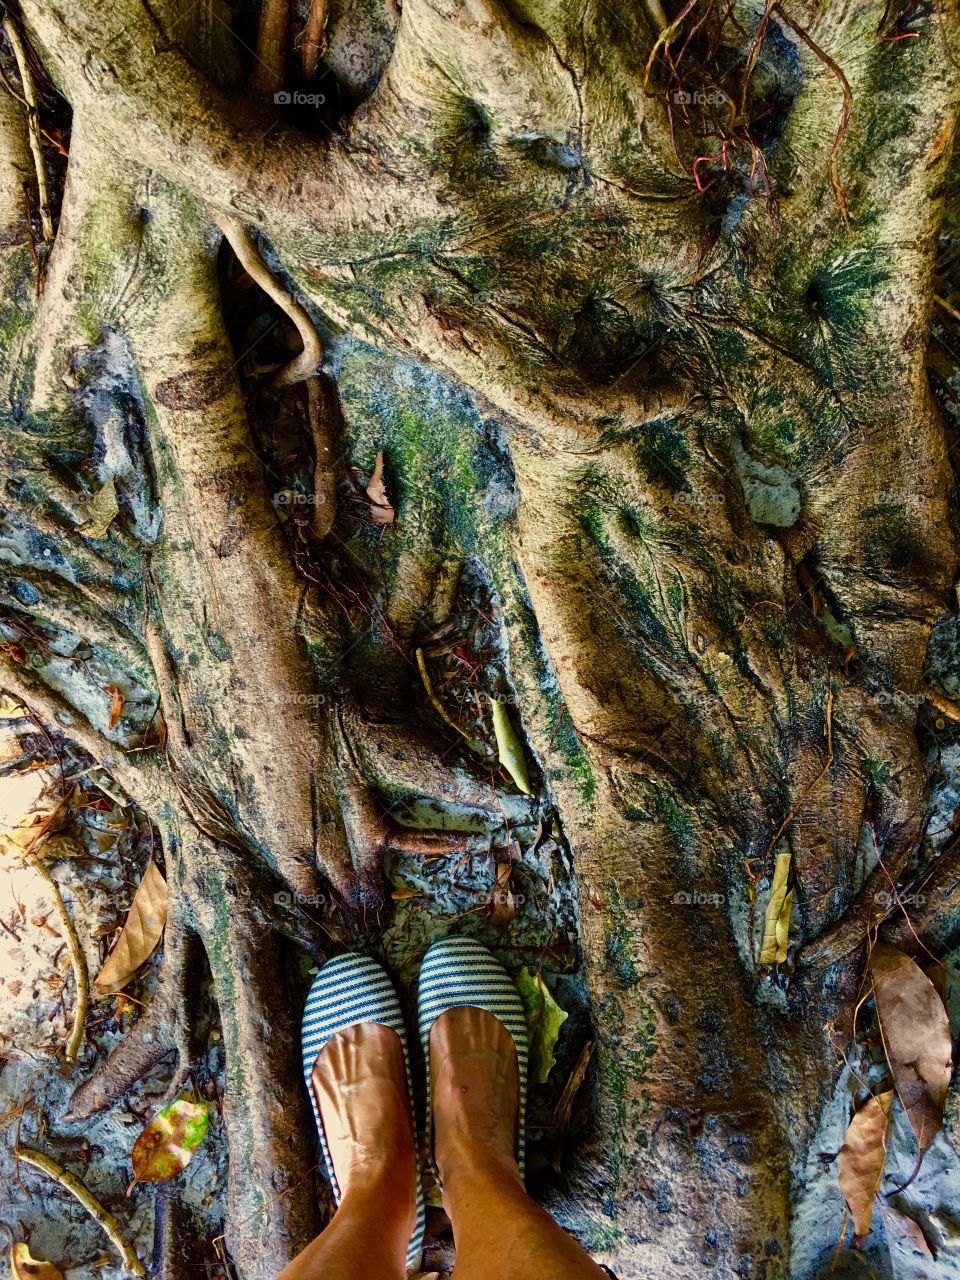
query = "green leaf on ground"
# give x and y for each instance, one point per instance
(167, 1144)
(101, 511)
(544, 1020)
(509, 748)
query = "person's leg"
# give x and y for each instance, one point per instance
(497, 1228)
(360, 1083)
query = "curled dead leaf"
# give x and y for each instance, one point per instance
(25, 1267)
(916, 1038)
(501, 904)
(381, 508)
(776, 923)
(141, 932)
(116, 706)
(101, 511)
(862, 1158)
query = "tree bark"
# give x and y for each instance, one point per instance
(732, 542)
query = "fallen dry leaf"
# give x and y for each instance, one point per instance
(398, 895)
(906, 1230)
(862, 1158)
(916, 1038)
(101, 511)
(167, 1144)
(116, 706)
(22, 1265)
(381, 508)
(141, 933)
(776, 922)
(501, 904)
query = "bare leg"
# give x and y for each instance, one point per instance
(360, 1083)
(498, 1229)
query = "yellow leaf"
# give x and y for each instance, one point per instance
(509, 749)
(141, 933)
(398, 895)
(862, 1158)
(25, 1267)
(776, 922)
(101, 511)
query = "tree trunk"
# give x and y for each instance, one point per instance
(640, 324)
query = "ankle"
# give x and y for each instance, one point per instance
(464, 1157)
(387, 1186)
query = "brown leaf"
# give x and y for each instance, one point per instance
(381, 508)
(502, 907)
(905, 1230)
(916, 1038)
(398, 895)
(862, 1158)
(116, 706)
(141, 933)
(23, 1266)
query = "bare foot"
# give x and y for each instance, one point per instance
(476, 1090)
(360, 1083)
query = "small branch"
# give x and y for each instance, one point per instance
(93, 1206)
(942, 302)
(77, 959)
(33, 121)
(942, 704)
(242, 243)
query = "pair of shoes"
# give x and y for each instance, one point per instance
(455, 973)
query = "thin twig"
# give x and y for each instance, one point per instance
(942, 302)
(93, 1206)
(33, 121)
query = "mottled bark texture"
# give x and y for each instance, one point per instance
(733, 537)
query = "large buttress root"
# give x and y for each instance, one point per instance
(272, 1210)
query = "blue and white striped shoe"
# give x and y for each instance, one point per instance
(459, 972)
(350, 989)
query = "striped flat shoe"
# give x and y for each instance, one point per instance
(348, 990)
(459, 972)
